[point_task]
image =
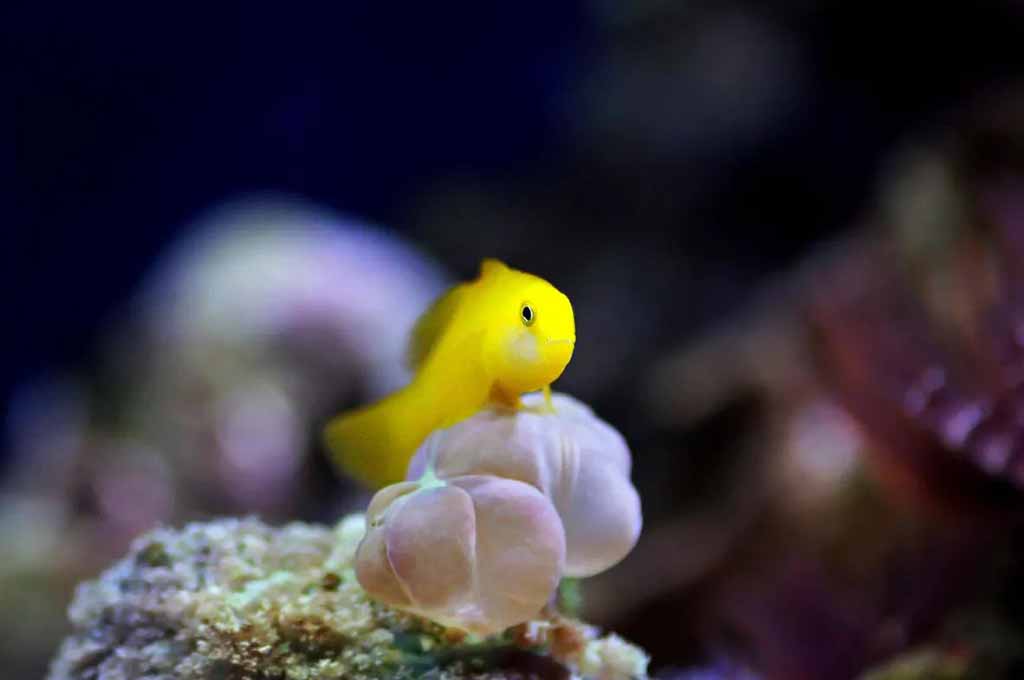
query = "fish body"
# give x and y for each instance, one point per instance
(485, 341)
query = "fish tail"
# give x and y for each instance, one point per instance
(375, 443)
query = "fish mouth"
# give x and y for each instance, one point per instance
(562, 341)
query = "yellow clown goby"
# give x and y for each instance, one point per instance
(485, 341)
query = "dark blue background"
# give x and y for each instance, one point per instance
(128, 119)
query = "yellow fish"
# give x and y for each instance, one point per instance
(483, 342)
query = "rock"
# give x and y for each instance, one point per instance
(233, 599)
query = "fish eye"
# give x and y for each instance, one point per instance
(527, 314)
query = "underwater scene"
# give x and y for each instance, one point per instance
(580, 340)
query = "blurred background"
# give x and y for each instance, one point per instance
(793, 234)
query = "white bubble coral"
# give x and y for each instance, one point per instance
(476, 552)
(507, 502)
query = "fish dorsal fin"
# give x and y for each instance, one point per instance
(431, 325)
(491, 267)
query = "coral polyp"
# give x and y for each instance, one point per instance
(497, 510)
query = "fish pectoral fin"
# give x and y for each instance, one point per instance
(549, 403)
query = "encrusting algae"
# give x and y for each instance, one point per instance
(236, 599)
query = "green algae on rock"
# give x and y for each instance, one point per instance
(236, 599)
